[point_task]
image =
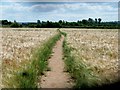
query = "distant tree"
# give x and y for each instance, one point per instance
(31, 25)
(72, 24)
(15, 24)
(63, 22)
(38, 21)
(95, 20)
(43, 24)
(99, 20)
(85, 22)
(56, 24)
(90, 20)
(4, 22)
(60, 21)
(78, 21)
(15, 21)
(49, 24)
(37, 26)
(67, 23)
(9, 23)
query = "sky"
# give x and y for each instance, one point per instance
(55, 11)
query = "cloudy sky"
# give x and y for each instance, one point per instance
(54, 11)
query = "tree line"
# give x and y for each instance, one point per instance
(90, 23)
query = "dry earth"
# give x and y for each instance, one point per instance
(56, 77)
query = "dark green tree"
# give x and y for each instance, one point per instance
(99, 20)
(85, 22)
(4, 22)
(90, 20)
(95, 20)
(15, 24)
(38, 21)
(60, 21)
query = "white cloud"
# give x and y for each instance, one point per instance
(68, 11)
(14, 7)
(72, 7)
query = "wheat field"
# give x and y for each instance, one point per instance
(18, 46)
(98, 50)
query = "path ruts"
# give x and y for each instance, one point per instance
(56, 77)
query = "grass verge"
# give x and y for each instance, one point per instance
(27, 77)
(78, 70)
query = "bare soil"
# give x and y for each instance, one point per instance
(56, 77)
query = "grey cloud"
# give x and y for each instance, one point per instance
(52, 7)
(43, 8)
(71, 7)
(60, 0)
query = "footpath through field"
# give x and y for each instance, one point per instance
(56, 77)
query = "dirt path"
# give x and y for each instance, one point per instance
(56, 77)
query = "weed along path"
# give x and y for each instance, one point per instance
(56, 77)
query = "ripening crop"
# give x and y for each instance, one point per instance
(98, 49)
(18, 46)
